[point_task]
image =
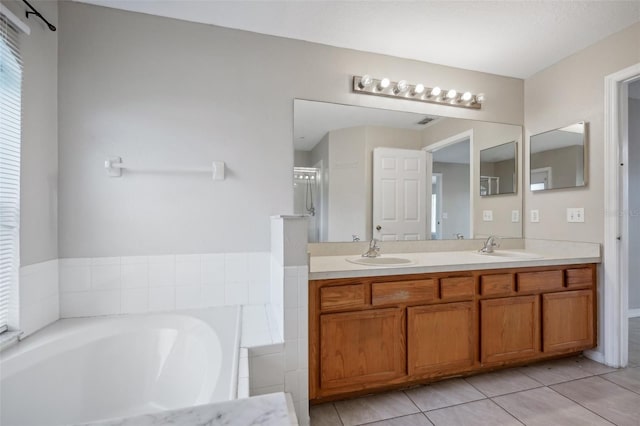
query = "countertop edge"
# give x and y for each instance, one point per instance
(369, 271)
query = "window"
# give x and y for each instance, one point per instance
(10, 131)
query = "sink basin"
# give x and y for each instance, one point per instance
(380, 261)
(510, 254)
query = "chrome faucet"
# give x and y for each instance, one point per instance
(492, 241)
(374, 249)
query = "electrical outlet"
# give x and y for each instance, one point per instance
(487, 215)
(535, 216)
(575, 214)
(515, 216)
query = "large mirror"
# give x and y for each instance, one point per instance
(498, 169)
(557, 158)
(362, 173)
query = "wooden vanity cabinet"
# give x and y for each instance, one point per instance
(377, 333)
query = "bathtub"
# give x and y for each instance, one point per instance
(87, 369)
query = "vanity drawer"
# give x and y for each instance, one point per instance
(343, 296)
(497, 284)
(457, 288)
(578, 277)
(540, 281)
(418, 291)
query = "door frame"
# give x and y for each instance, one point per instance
(438, 205)
(616, 246)
(467, 134)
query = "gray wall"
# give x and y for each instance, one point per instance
(39, 163)
(157, 91)
(564, 163)
(634, 202)
(570, 91)
(455, 199)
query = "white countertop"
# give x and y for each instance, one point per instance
(267, 410)
(537, 254)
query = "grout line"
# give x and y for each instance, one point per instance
(338, 413)
(476, 388)
(412, 401)
(506, 411)
(586, 408)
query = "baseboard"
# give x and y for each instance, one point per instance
(594, 356)
(633, 313)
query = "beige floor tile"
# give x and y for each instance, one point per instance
(628, 378)
(444, 394)
(502, 382)
(374, 408)
(412, 420)
(324, 415)
(478, 413)
(614, 403)
(557, 371)
(544, 407)
(587, 364)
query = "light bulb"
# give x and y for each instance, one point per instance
(451, 94)
(418, 89)
(401, 87)
(480, 98)
(384, 83)
(365, 81)
(466, 96)
(435, 91)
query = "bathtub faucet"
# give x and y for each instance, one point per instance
(492, 241)
(374, 249)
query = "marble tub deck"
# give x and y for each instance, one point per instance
(273, 409)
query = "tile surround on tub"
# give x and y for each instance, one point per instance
(39, 296)
(138, 284)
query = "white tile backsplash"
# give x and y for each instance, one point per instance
(189, 297)
(161, 283)
(134, 300)
(39, 301)
(134, 275)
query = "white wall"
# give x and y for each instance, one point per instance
(157, 91)
(570, 91)
(38, 295)
(39, 163)
(634, 202)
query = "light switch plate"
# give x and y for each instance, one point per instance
(487, 215)
(515, 216)
(575, 214)
(535, 216)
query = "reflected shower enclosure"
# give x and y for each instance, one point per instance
(307, 198)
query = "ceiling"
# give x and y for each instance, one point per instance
(312, 120)
(510, 38)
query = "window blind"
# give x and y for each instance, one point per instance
(10, 136)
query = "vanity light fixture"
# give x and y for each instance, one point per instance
(418, 92)
(401, 87)
(365, 82)
(383, 84)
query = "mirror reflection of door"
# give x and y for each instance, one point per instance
(399, 194)
(541, 178)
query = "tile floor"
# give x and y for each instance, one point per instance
(571, 391)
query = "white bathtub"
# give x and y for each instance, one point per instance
(86, 369)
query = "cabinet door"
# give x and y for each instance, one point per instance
(440, 338)
(567, 321)
(509, 328)
(361, 347)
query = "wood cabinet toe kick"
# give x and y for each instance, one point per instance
(377, 333)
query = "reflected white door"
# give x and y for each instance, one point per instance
(400, 194)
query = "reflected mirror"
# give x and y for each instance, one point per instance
(498, 169)
(557, 158)
(362, 173)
